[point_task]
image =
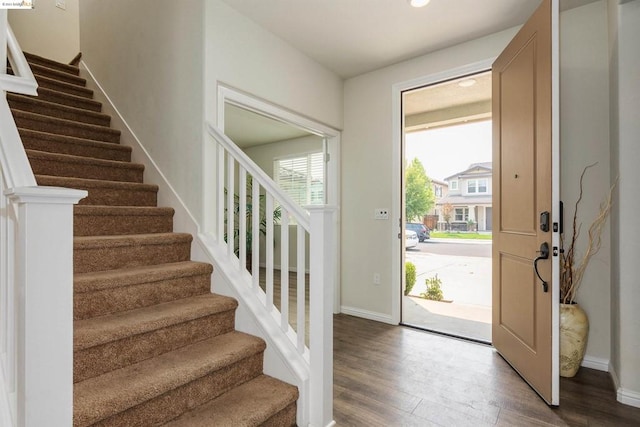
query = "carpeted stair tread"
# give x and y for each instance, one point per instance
(101, 280)
(57, 97)
(106, 343)
(45, 163)
(63, 144)
(25, 119)
(117, 220)
(50, 63)
(60, 86)
(99, 253)
(34, 105)
(111, 193)
(103, 329)
(113, 291)
(251, 404)
(100, 397)
(41, 70)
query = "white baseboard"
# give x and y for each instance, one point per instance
(366, 314)
(628, 397)
(596, 363)
(624, 396)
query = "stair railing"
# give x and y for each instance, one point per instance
(249, 206)
(36, 271)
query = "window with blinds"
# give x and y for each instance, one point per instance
(302, 178)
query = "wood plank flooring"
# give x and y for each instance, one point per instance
(396, 376)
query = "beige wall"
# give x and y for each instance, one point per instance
(242, 55)
(148, 56)
(625, 127)
(367, 173)
(584, 135)
(47, 30)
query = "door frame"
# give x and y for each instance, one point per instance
(238, 98)
(397, 247)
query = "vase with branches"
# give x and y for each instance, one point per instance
(572, 266)
(574, 323)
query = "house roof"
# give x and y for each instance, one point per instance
(465, 200)
(474, 169)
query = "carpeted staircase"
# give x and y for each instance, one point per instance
(152, 345)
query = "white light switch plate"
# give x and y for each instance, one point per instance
(381, 213)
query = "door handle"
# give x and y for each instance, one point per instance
(544, 254)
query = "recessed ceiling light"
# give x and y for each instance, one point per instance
(419, 3)
(466, 82)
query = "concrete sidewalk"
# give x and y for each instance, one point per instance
(466, 281)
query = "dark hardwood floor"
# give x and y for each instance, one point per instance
(396, 376)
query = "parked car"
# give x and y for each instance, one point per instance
(411, 239)
(421, 230)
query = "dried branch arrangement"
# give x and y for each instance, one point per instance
(572, 270)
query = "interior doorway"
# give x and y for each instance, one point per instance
(447, 202)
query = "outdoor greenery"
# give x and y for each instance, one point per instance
(434, 289)
(447, 213)
(419, 197)
(461, 235)
(409, 277)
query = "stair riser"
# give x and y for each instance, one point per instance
(98, 360)
(64, 87)
(118, 197)
(64, 99)
(78, 170)
(113, 300)
(105, 225)
(69, 145)
(284, 418)
(27, 104)
(172, 404)
(40, 70)
(109, 258)
(31, 59)
(60, 127)
(60, 76)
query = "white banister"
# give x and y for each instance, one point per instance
(43, 280)
(36, 277)
(308, 333)
(322, 248)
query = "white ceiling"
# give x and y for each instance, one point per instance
(352, 37)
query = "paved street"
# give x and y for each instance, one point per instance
(475, 248)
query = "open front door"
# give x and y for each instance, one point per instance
(525, 218)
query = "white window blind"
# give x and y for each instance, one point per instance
(302, 178)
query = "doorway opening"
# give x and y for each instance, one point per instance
(447, 205)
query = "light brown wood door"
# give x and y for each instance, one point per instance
(523, 312)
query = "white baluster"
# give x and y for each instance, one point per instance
(220, 194)
(255, 234)
(242, 217)
(231, 206)
(301, 290)
(284, 270)
(269, 243)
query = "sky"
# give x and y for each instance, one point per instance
(446, 151)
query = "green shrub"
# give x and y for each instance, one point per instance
(434, 291)
(409, 277)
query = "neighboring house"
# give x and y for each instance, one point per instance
(440, 190)
(469, 193)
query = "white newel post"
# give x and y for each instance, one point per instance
(3, 39)
(44, 282)
(322, 269)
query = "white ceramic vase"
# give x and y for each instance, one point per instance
(574, 331)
